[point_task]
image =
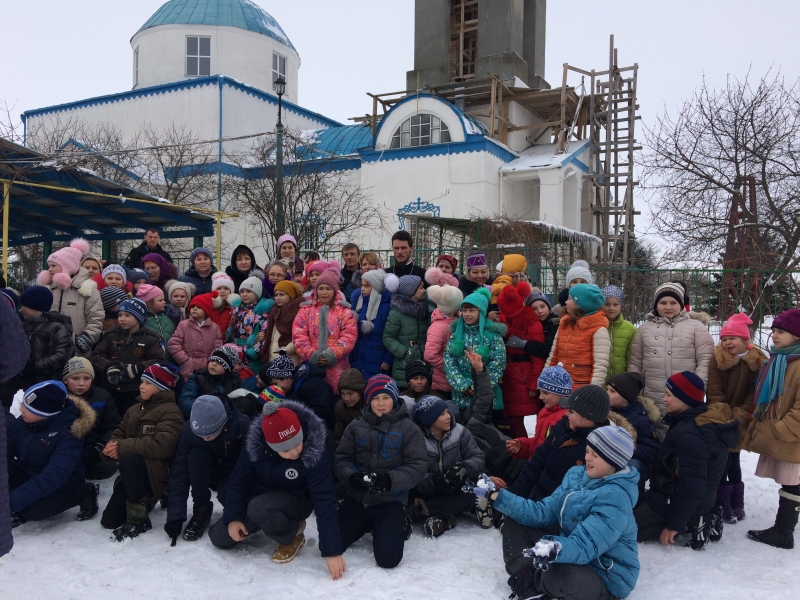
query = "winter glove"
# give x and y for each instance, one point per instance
(516, 342)
(113, 375)
(359, 481)
(543, 553)
(173, 529)
(438, 482)
(131, 371)
(455, 477)
(84, 342)
(380, 483)
(483, 489)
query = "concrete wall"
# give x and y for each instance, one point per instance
(533, 43)
(431, 44)
(500, 35)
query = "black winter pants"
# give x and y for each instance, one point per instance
(49, 506)
(446, 505)
(386, 521)
(277, 514)
(98, 466)
(567, 581)
(204, 475)
(132, 485)
(733, 469)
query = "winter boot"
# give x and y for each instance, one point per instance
(407, 530)
(164, 501)
(417, 511)
(483, 510)
(89, 506)
(285, 553)
(724, 501)
(716, 520)
(522, 584)
(435, 526)
(199, 521)
(699, 530)
(737, 500)
(781, 535)
(17, 520)
(138, 522)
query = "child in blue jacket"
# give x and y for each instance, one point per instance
(371, 305)
(595, 554)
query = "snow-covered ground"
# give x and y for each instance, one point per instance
(63, 558)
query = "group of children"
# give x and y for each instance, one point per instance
(403, 403)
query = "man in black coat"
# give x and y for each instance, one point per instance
(149, 245)
(403, 248)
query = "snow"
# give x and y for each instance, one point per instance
(558, 230)
(544, 547)
(542, 156)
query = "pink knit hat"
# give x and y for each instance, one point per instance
(69, 259)
(736, 326)
(330, 276)
(318, 265)
(148, 292)
(435, 276)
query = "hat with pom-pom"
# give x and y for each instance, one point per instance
(512, 299)
(435, 276)
(579, 270)
(69, 259)
(449, 258)
(407, 285)
(330, 277)
(273, 393)
(588, 297)
(480, 300)
(556, 380)
(220, 279)
(446, 297)
(208, 416)
(376, 279)
(514, 263)
(147, 292)
(317, 266)
(428, 409)
(204, 302)
(281, 427)
(737, 325)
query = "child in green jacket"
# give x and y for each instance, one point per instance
(620, 331)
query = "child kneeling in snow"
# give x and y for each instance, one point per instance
(594, 555)
(281, 477)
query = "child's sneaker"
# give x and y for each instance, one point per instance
(89, 506)
(699, 531)
(285, 553)
(434, 526)
(198, 523)
(483, 510)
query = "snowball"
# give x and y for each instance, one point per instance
(482, 484)
(543, 547)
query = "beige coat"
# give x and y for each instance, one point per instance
(82, 304)
(663, 347)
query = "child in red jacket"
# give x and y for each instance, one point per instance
(554, 384)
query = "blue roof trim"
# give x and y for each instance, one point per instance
(413, 98)
(242, 14)
(166, 88)
(474, 143)
(574, 161)
(337, 141)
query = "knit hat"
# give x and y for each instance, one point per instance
(135, 307)
(588, 297)
(614, 291)
(111, 296)
(190, 289)
(476, 259)
(447, 298)
(670, 289)
(273, 393)
(428, 409)
(285, 238)
(317, 266)
(290, 288)
(556, 380)
(449, 258)
(789, 321)
(281, 427)
(613, 444)
(220, 279)
(590, 401)
(163, 376)
(254, 284)
(512, 299)
(687, 387)
(148, 292)
(204, 302)
(579, 270)
(118, 269)
(376, 278)
(10, 296)
(197, 251)
(563, 295)
(435, 276)
(77, 365)
(330, 277)
(352, 379)
(226, 356)
(479, 299)
(45, 399)
(514, 263)
(208, 416)
(627, 385)
(737, 326)
(281, 367)
(416, 367)
(407, 285)
(536, 296)
(381, 384)
(135, 275)
(69, 259)
(37, 297)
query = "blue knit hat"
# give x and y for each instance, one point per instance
(208, 416)
(613, 444)
(111, 296)
(428, 409)
(135, 307)
(535, 296)
(135, 275)
(197, 251)
(381, 384)
(408, 284)
(45, 399)
(37, 297)
(614, 291)
(588, 297)
(480, 300)
(556, 380)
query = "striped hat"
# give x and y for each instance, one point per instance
(163, 376)
(273, 393)
(381, 384)
(45, 399)
(226, 356)
(613, 444)
(111, 296)
(687, 387)
(281, 427)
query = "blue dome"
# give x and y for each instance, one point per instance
(243, 14)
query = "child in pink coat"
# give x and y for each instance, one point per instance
(324, 331)
(448, 300)
(195, 338)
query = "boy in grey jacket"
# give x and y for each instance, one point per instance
(380, 457)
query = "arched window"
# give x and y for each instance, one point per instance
(420, 130)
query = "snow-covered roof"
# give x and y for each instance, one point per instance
(543, 156)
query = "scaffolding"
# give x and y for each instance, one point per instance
(463, 39)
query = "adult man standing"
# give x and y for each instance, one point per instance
(350, 254)
(402, 248)
(150, 244)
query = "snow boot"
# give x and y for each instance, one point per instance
(699, 530)
(285, 553)
(737, 500)
(17, 520)
(522, 586)
(723, 501)
(716, 521)
(417, 511)
(89, 506)
(164, 501)
(198, 523)
(435, 526)
(781, 535)
(407, 530)
(483, 510)
(137, 522)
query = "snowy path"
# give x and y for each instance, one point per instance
(63, 558)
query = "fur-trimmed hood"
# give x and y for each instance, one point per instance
(408, 307)
(701, 316)
(86, 417)
(313, 436)
(754, 358)
(653, 412)
(621, 421)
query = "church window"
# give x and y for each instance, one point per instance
(420, 130)
(198, 56)
(278, 66)
(136, 67)
(310, 229)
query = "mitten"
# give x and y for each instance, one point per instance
(543, 553)
(485, 486)
(380, 483)
(359, 481)
(131, 371)
(173, 529)
(113, 375)
(456, 476)
(438, 482)
(516, 342)
(84, 342)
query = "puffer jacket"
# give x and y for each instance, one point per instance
(260, 470)
(192, 344)
(405, 334)
(392, 444)
(645, 418)
(203, 284)
(546, 420)
(584, 348)
(458, 368)
(247, 321)
(456, 446)
(50, 337)
(50, 451)
(596, 521)
(522, 369)
(369, 351)
(151, 430)
(162, 324)
(107, 421)
(435, 343)
(732, 380)
(202, 383)
(663, 347)
(778, 433)
(325, 331)
(311, 388)
(82, 304)
(621, 333)
(119, 348)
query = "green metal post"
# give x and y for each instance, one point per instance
(47, 250)
(197, 242)
(106, 252)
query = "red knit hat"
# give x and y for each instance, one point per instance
(163, 376)
(204, 302)
(281, 427)
(449, 258)
(512, 299)
(687, 387)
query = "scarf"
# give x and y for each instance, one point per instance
(772, 385)
(373, 305)
(282, 317)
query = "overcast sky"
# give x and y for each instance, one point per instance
(56, 51)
